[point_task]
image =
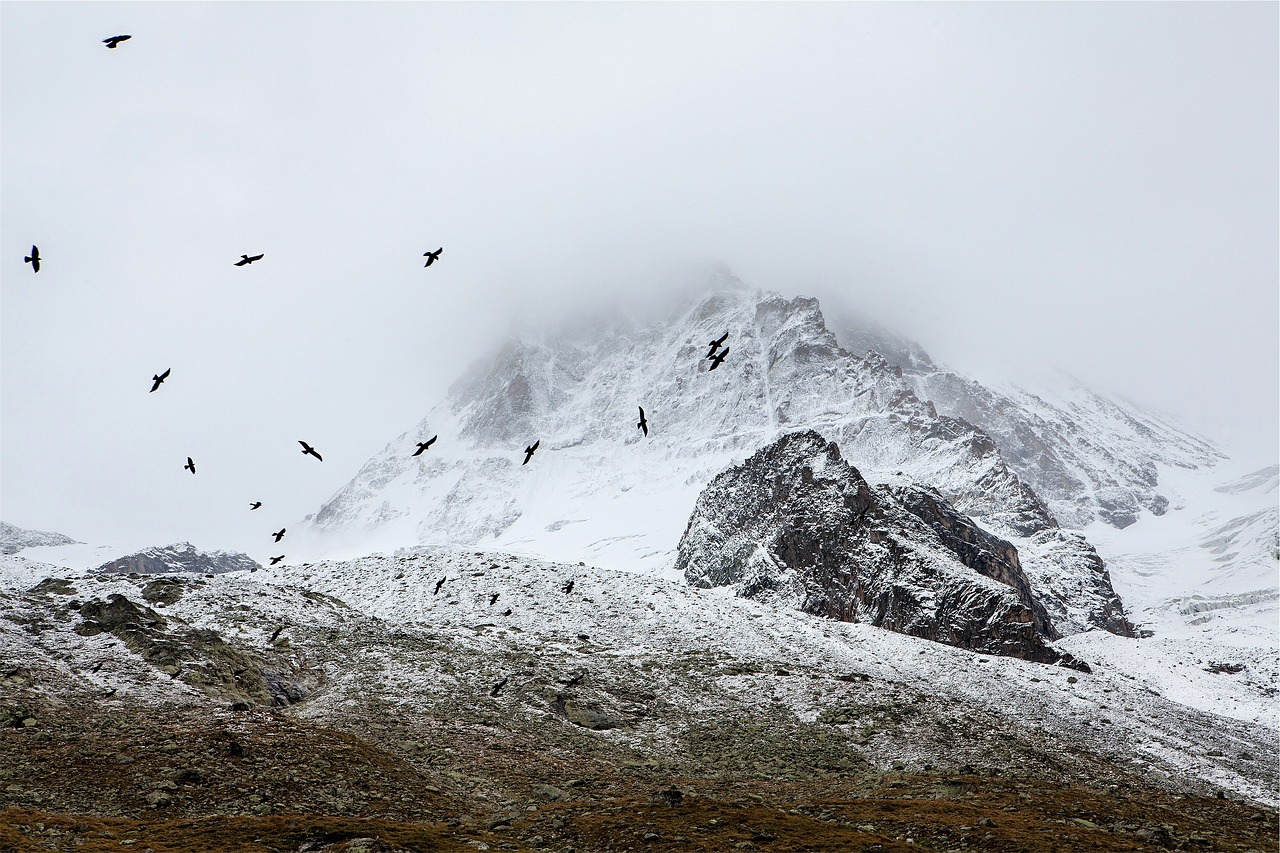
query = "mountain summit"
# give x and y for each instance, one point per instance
(599, 491)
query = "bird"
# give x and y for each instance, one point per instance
(33, 258)
(308, 449)
(644, 424)
(276, 634)
(528, 451)
(439, 584)
(507, 612)
(158, 379)
(493, 598)
(568, 587)
(718, 358)
(245, 260)
(501, 684)
(110, 693)
(279, 534)
(97, 666)
(191, 465)
(716, 344)
(423, 445)
(432, 257)
(275, 560)
(115, 40)
(255, 505)
(573, 681)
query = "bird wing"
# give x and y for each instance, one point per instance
(257, 257)
(432, 440)
(165, 375)
(306, 448)
(35, 264)
(536, 443)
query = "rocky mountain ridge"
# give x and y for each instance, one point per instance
(796, 525)
(13, 538)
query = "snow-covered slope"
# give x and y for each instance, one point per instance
(655, 659)
(14, 539)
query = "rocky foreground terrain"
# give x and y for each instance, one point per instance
(350, 706)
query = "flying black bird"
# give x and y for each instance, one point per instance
(432, 257)
(423, 445)
(508, 612)
(528, 451)
(439, 584)
(245, 260)
(115, 40)
(567, 588)
(280, 534)
(97, 666)
(718, 358)
(574, 681)
(255, 505)
(191, 465)
(110, 693)
(644, 424)
(493, 598)
(501, 684)
(276, 634)
(33, 259)
(308, 449)
(275, 560)
(158, 379)
(716, 344)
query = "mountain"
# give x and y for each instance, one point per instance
(599, 491)
(180, 557)
(14, 539)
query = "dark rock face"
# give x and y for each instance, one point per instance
(182, 557)
(796, 524)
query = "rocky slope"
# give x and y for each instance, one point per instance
(546, 719)
(13, 539)
(795, 525)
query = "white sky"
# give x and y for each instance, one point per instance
(1091, 187)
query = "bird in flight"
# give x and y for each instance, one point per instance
(501, 684)
(191, 465)
(716, 344)
(528, 451)
(115, 40)
(275, 560)
(276, 634)
(423, 445)
(644, 424)
(493, 598)
(718, 358)
(245, 260)
(158, 380)
(280, 534)
(33, 259)
(309, 450)
(255, 505)
(568, 587)
(574, 681)
(432, 257)
(439, 584)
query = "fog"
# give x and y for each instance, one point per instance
(1018, 187)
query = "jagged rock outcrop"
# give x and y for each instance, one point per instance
(796, 524)
(13, 539)
(182, 557)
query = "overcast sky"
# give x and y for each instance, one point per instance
(1091, 187)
